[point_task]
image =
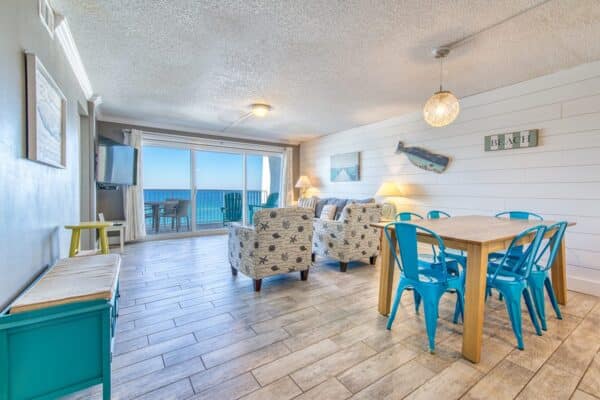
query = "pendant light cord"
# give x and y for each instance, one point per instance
(441, 72)
(467, 38)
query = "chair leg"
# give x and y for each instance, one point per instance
(257, 284)
(234, 271)
(532, 314)
(550, 291)
(537, 293)
(417, 301)
(459, 307)
(513, 306)
(343, 266)
(394, 307)
(304, 275)
(372, 260)
(431, 317)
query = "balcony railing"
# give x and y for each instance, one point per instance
(208, 205)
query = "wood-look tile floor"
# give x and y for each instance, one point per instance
(189, 329)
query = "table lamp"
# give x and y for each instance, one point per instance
(303, 184)
(389, 189)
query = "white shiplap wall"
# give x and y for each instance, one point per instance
(560, 179)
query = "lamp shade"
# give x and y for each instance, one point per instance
(441, 109)
(303, 182)
(389, 189)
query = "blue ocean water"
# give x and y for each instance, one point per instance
(208, 201)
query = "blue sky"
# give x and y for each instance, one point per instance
(169, 168)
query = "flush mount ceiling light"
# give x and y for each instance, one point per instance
(442, 108)
(260, 110)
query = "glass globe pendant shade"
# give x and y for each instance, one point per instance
(441, 109)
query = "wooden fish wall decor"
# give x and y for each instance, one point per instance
(423, 158)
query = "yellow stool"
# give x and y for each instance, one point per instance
(76, 235)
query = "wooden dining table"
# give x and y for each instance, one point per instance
(478, 236)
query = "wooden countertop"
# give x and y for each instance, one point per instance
(71, 280)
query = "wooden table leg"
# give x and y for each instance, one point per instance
(559, 274)
(103, 241)
(75, 237)
(474, 301)
(386, 277)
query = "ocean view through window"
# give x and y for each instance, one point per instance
(191, 190)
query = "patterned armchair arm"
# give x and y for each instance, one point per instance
(241, 242)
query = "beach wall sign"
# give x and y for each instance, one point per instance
(512, 140)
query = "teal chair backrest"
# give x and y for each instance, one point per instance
(437, 214)
(233, 206)
(519, 215)
(272, 200)
(407, 216)
(520, 266)
(406, 236)
(547, 253)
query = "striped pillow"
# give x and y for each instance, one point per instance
(308, 202)
(328, 212)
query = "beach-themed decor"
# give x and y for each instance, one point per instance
(345, 167)
(423, 158)
(512, 140)
(46, 116)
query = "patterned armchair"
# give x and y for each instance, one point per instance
(278, 243)
(351, 237)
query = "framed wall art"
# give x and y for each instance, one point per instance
(46, 116)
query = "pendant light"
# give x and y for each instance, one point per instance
(442, 108)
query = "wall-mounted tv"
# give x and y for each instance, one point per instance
(116, 164)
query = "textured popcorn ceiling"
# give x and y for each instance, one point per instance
(325, 66)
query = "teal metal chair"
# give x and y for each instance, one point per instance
(232, 208)
(407, 216)
(272, 202)
(510, 276)
(428, 282)
(457, 255)
(540, 277)
(437, 214)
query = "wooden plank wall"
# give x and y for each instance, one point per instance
(559, 179)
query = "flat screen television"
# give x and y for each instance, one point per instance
(116, 164)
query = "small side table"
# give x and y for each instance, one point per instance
(76, 235)
(118, 226)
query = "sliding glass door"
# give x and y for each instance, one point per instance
(263, 178)
(218, 188)
(191, 188)
(167, 194)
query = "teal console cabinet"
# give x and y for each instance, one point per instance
(57, 337)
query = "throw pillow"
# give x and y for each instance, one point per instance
(308, 202)
(328, 212)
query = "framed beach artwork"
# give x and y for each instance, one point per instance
(46, 116)
(345, 167)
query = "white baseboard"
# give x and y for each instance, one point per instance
(582, 285)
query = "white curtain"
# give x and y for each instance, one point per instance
(288, 177)
(133, 196)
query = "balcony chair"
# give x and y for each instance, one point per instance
(510, 276)
(278, 243)
(169, 212)
(272, 202)
(429, 281)
(351, 237)
(232, 207)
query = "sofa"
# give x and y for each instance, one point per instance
(349, 236)
(279, 242)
